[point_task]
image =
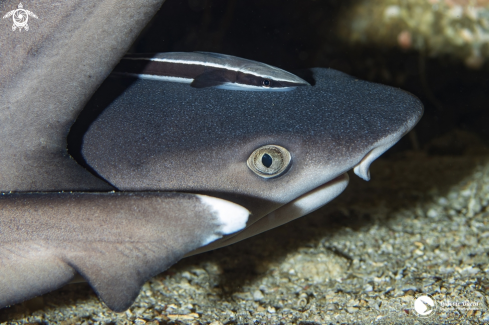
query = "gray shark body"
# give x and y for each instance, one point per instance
(171, 137)
(46, 77)
(116, 241)
(180, 140)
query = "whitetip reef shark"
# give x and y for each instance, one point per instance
(281, 155)
(277, 155)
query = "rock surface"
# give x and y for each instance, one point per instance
(458, 28)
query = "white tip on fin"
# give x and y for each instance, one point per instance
(230, 216)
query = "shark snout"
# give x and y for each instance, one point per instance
(362, 168)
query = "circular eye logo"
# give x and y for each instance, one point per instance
(424, 306)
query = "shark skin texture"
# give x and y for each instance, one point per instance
(116, 241)
(48, 236)
(168, 136)
(58, 220)
(47, 75)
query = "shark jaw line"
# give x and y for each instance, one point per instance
(299, 207)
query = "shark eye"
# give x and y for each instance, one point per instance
(266, 83)
(269, 161)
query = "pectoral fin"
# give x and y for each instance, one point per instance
(116, 241)
(210, 79)
(117, 271)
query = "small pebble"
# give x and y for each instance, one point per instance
(257, 295)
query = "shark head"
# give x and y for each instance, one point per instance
(280, 155)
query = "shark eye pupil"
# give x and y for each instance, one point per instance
(266, 82)
(269, 161)
(266, 160)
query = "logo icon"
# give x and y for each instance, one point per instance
(20, 16)
(424, 306)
